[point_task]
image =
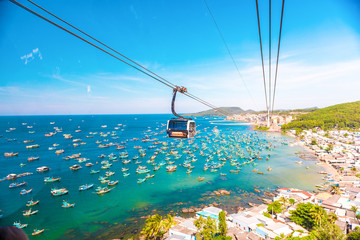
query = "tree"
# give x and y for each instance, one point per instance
(207, 227)
(313, 141)
(152, 227)
(222, 224)
(303, 216)
(354, 235)
(332, 217)
(328, 231)
(274, 207)
(292, 201)
(335, 189)
(168, 222)
(283, 201)
(354, 208)
(318, 214)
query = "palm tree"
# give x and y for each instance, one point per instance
(332, 217)
(152, 226)
(317, 213)
(335, 189)
(354, 208)
(168, 222)
(284, 201)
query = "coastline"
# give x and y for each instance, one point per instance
(326, 166)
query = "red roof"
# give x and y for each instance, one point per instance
(303, 192)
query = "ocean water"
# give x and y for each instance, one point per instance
(120, 213)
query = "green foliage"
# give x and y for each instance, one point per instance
(306, 216)
(329, 147)
(207, 227)
(328, 231)
(292, 201)
(152, 227)
(313, 141)
(274, 207)
(353, 235)
(261, 128)
(156, 226)
(222, 224)
(344, 116)
(267, 214)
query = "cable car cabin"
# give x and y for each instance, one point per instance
(181, 128)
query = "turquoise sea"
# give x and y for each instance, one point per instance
(120, 213)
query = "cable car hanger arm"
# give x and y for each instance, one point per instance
(175, 90)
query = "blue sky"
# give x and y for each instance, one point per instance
(47, 71)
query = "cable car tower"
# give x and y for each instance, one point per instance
(180, 127)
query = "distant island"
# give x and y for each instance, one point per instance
(213, 113)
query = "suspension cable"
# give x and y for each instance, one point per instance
(277, 59)
(262, 58)
(228, 50)
(269, 57)
(156, 77)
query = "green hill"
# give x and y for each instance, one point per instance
(342, 116)
(212, 113)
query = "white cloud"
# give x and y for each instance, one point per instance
(35, 53)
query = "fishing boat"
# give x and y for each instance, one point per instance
(32, 203)
(24, 191)
(37, 232)
(22, 164)
(89, 164)
(29, 212)
(19, 225)
(171, 168)
(42, 169)
(189, 171)
(59, 191)
(109, 173)
(234, 171)
(142, 170)
(260, 173)
(223, 174)
(200, 179)
(33, 146)
(126, 174)
(104, 190)
(51, 179)
(75, 167)
(269, 169)
(30, 159)
(14, 185)
(298, 162)
(94, 171)
(85, 187)
(59, 151)
(149, 176)
(141, 180)
(112, 183)
(67, 205)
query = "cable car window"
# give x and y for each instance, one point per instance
(178, 125)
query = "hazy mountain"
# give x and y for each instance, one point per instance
(213, 113)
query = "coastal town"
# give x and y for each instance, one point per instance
(337, 198)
